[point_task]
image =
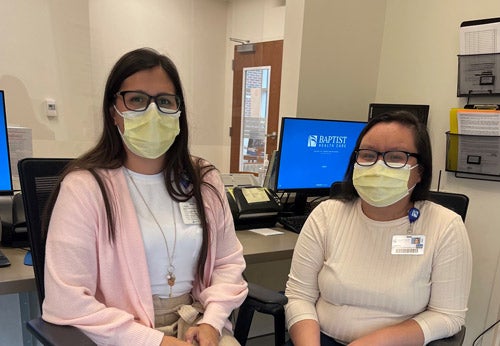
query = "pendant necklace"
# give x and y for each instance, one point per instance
(171, 268)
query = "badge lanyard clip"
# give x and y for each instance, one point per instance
(413, 215)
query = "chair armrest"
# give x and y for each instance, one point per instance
(266, 295)
(454, 340)
(56, 335)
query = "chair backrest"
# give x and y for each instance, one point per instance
(335, 189)
(38, 178)
(457, 202)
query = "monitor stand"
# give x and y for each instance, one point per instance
(303, 206)
(300, 203)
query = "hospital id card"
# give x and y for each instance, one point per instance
(409, 244)
(189, 213)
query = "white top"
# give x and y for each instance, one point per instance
(189, 236)
(344, 276)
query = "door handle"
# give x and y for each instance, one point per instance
(272, 135)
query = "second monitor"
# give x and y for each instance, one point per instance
(420, 111)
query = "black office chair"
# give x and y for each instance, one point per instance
(38, 177)
(455, 201)
(458, 203)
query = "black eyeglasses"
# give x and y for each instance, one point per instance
(138, 101)
(392, 159)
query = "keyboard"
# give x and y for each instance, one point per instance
(4, 261)
(293, 223)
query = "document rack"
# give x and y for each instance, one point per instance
(473, 156)
(478, 74)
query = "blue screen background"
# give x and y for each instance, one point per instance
(5, 175)
(314, 153)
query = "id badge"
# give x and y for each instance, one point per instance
(189, 213)
(409, 244)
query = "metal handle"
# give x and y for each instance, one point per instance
(272, 135)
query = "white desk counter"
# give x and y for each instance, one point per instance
(17, 277)
(259, 248)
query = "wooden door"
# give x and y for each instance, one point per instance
(262, 56)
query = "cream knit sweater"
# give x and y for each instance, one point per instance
(344, 276)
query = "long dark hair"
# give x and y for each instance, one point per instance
(422, 143)
(179, 166)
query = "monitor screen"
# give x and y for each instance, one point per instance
(420, 111)
(314, 153)
(5, 173)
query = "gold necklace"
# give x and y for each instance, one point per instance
(171, 268)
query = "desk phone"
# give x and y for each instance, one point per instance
(253, 206)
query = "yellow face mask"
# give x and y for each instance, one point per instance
(151, 133)
(381, 186)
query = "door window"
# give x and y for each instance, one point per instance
(254, 114)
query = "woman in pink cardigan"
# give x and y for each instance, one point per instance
(141, 248)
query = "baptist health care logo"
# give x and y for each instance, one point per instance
(312, 141)
(320, 141)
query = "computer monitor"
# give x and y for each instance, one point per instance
(313, 154)
(420, 111)
(5, 171)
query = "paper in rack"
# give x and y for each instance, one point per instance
(480, 37)
(473, 143)
(479, 122)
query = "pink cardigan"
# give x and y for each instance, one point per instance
(103, 288)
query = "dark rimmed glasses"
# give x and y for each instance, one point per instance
(392, 159)
(139, 101)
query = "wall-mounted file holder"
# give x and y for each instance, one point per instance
(473, 156)
(478, 74)
(482, 106)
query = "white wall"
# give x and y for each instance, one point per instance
(292, 52)
(341, 42)
(46, 53)
(410, 56)
(65, 49)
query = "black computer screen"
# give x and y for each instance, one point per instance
(314, 153)
(420, 111)
(5, 173)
